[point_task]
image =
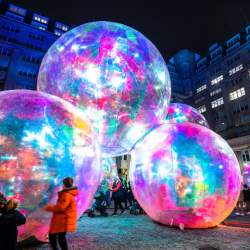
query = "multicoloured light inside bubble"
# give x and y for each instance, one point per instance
(185, 174)
(109, 173)
(44, 139)
(179, 112)
(115, 75)
(109, 168)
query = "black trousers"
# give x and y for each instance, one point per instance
(118, 203)
(61, 238)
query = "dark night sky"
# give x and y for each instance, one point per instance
(194, 25)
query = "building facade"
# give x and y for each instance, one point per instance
(220, 85)
(25, 36)
(182, 68)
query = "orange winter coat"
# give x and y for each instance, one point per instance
(64, 217)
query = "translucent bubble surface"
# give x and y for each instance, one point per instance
(115, 75)
(185, 175)
(179, 112)
(44, 139)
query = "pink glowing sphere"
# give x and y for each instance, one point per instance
(44, 139)
(180, 112)
(115, 75)
(185, 174)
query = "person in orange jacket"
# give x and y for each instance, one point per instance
(64, 217)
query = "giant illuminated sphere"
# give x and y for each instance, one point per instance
(179, 112)
(44, 139)
(115, 75)
(185, 174)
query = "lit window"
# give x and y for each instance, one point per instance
(17, 10)
(202, 109)
(58, 33)
(61, 26)
(41, 28)
(201, 88)
(236, 69)
(64, 28)
(215, 92)
(218, 102)
(40, 19)
(237, 94)
(217, 80)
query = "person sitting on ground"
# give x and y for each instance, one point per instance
(99, 204)
(136, 208)
(10, 219)
(64, 217)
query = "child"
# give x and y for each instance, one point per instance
(10, 219)
(64, 217)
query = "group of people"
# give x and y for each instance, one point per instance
(64, 218)
(120, 192)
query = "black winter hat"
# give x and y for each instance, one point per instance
(68, 182)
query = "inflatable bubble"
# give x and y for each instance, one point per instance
(185, 175)
(179, 112)
(115, 75)
(44, 139)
